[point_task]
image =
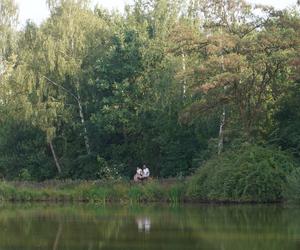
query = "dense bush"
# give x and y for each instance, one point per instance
(25, 154)
(292, 190)
(287, 129)
(251, 173)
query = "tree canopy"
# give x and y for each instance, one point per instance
(91, 93)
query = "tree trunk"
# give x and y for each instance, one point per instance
(55, 157)
(221, 131)
(85, 136)
(57, 238)
(184, 70)
(77, 98)
(223, 116)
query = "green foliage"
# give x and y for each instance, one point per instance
(292, 189)
(176, 193)
(24, 175)
(251, 173)
(95, 192)
(287, 129)
(91, 95)
(8, 20)
(153, 191)
(24, 155)
(135, 193)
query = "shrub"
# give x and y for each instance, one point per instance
(24, 175)
(251, 173)
(107, 172)
(292, 190)
(6, 191)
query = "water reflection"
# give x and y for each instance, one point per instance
(58, 234)
(144, 224)
(159, 227)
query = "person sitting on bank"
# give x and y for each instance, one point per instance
(146, 172)
(139, 175)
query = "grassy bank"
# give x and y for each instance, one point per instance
(251, 173)
(174, 191)
(93, 191)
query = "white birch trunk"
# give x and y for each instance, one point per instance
(55, 157)
(221, 131)
(85, 136)
(223, 116)
(184, 70)
(78, 100)
(57, 237)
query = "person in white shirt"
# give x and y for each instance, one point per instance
(139, 175)
(146, 172)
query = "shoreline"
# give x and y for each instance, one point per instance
(114, 192)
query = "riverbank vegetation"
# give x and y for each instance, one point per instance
(102, 192)
(250, 173)
(226, 185)
(208, 89)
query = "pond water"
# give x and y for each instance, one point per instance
(149, 227)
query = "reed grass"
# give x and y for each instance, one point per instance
(91, 191)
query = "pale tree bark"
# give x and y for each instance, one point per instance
(57, 237)
(222, 124)
(78, 100)
(85, 136)
(55, 157)
(223, 116)
(184, 70)
(221, 131)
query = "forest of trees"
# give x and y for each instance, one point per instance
(179, 85)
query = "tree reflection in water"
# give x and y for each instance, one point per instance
(58, 234)
(187, 227)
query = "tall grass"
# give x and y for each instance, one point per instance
(98, 192)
